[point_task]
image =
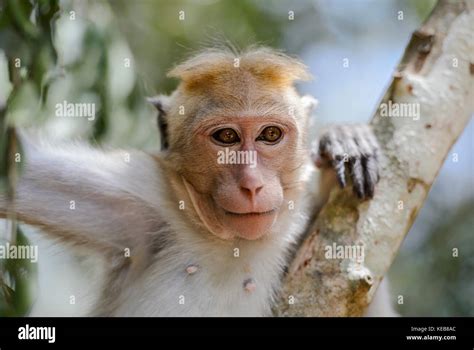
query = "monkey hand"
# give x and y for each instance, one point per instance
(351, 150)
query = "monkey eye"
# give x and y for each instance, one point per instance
(270, 134)
(227, 136)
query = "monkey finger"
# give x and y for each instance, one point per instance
(371, 175)
(331, 145)
(339, 167)
(357, 175)
(323, 145)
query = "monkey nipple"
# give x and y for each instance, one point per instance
(249, 285)
(192, 269)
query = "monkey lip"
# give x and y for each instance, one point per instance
(250, 214)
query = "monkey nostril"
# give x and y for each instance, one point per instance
(251, 191)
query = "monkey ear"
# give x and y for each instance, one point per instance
(161, 104)
(309, 104)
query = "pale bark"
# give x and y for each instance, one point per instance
(436, 72)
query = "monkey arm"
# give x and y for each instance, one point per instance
(83, 196)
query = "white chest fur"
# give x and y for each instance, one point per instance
(236, 279)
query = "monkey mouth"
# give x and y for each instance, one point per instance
(251, 214)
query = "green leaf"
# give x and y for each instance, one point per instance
(6, 301)
(22, 272)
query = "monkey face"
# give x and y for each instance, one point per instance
(237, 170)
(236, 128)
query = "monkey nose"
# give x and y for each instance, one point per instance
(250, 182)
(251, 192)
(251, 188)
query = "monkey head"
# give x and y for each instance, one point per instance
(236, 134)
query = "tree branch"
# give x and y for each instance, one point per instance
(436, 74)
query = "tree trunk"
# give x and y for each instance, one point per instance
(435, 75)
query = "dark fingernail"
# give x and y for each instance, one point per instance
(370, 192)
(358, 191)
(369, 188)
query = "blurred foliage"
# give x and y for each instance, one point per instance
(431, 278)
(25, 32)
(74, 54)
(161, 34)
(17, 282)
(422, 7)
(16, 275)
